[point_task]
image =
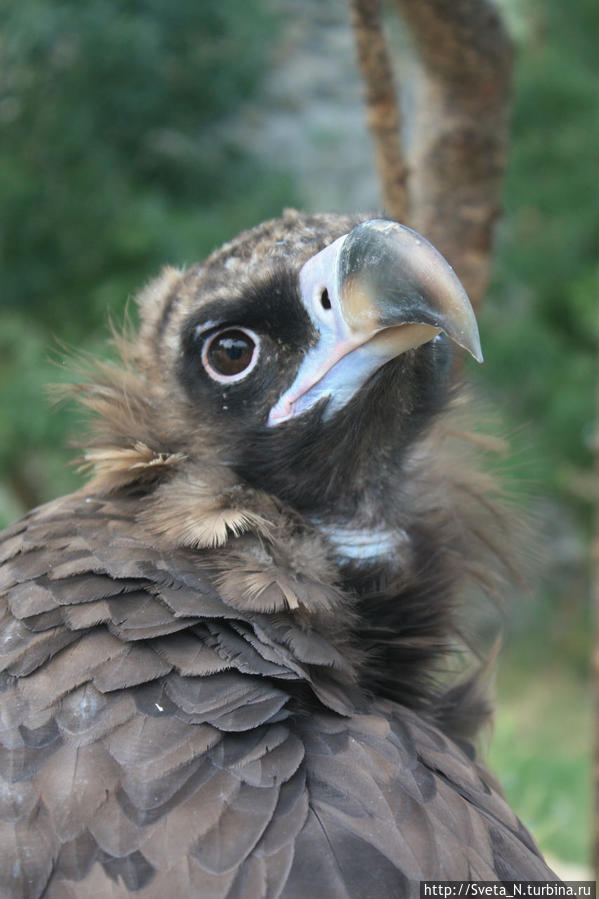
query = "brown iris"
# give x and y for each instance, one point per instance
(230, 352)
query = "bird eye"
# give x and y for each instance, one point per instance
(231, 354)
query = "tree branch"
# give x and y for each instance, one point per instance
(459, 129)
(381, 104)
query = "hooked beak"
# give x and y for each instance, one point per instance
(373, 294)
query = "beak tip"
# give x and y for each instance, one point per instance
(474, 348)
(477, 353)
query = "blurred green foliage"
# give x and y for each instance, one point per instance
(540, 328)
(540, 319)
(540, 754)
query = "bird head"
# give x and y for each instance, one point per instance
(304, 357)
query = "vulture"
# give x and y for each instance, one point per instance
(230, 662)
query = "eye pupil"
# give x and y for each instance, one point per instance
(231, 352)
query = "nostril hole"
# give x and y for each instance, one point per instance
(325, 299)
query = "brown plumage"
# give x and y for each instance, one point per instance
(203, 692)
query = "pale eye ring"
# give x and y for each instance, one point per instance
(230, 354)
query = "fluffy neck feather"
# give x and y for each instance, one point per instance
(394, 582)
